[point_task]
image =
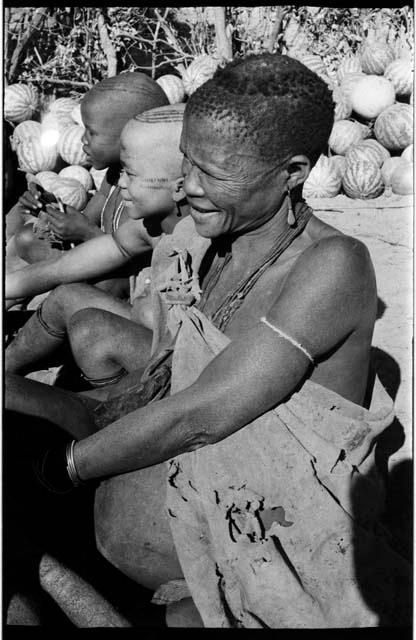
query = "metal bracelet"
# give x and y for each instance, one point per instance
(70, 465)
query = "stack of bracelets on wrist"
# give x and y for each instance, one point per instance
(70, 465)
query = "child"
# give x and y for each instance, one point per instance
(150, 187)
(105, 109)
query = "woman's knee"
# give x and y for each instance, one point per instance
(24, 239)
(87, 328)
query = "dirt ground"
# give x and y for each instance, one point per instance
(385, 225)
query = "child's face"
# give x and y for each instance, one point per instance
(145, 187)
(101, 140)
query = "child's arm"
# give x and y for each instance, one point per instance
(91, 259)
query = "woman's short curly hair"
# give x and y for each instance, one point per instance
(270, 101)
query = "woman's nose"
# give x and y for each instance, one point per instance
(191, 182)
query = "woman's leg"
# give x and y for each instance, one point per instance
(45, 331)
(105, 344)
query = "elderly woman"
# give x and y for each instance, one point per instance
(240, 485)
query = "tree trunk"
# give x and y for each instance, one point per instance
(34, 24)
(224, 45)
(107, 46)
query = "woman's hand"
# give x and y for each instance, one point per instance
(29, 201)
(70, 225)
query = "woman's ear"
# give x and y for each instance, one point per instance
(177, 191)
(298, 168)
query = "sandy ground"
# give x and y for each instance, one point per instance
(388, 234)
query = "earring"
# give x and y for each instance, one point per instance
(291, 220)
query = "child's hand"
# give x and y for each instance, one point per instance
(70, 225)
(30, 199)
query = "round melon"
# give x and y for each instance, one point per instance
(173, 87)
(343, 107)
(362, 179)
(323, 181)
(402, 180)
(76, 115)
(63, 108)
(46, 179)
(376, 57)
(388, 168)
(407, 154)
(369, 150)
(25, 130)
(345, 133)
(201, 69)
(349, 64)
(338, 162)
(20, 102)
(70, 146)
(78, 173)
(400, 74)
(394, 127)
(371, 95)
(71, 192)
(98, 176)
(33, 156)
(315, 64)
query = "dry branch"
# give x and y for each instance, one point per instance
(36, 22)
(107, 46)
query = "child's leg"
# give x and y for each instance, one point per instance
(45, 331)
(105, 345)
(31, 248)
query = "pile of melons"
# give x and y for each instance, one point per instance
(371, 143)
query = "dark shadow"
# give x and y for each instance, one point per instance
(383, 550)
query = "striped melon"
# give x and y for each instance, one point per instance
(323, 181)
(389, 167)
(70, 146)
(348, 82)
(201, 69)
(375, 58)
(369, 150)
(33, 156)
(46, 179)
(24, 130)
(343, 107)
(20, 102)
(314, 63)
(78, 173)
(345, 133)
(71, 192)
(400, 74)
(98, 176)
(349, 64)
(173, 87)
(338, 162)
(402, 180)
(394, 127)
(407, 154)
(362, 179)
(371, 95)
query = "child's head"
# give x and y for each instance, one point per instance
(107, 107)
(152, 162)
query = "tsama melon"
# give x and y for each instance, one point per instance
(173, 87)
(362, 179)
(20, 102)
(375, 57)
(70, 146)
(388, 168)
(201, 69)
(407, 154)
(394, 127)
(46, 179)
(349, 81)
(349, 64)
(338, 162)
(345, 133)
(402, 180)
(371, 95)
(314, 63)
(369, 150)
(323, 181)
(34, 156)
(70, 191)
(76, 115)
(24, 130)
(400, 74)
(78, 173)
(343, 107)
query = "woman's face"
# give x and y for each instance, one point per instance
(101, 140)
(229, 188)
